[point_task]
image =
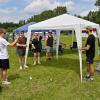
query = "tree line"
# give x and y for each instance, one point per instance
(48, 14)
(36, 18)
(94, 16)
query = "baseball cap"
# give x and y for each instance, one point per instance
(50, 31)
(89, 28)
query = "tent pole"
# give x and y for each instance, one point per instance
(80, 56)
(57, 43)
(79, 44)
(27, 48)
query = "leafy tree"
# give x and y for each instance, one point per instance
(98, 4)
(48, 14)
(60, 10)
(94, 16)
(9, 26)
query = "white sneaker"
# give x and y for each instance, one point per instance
(6, 82)
(91, 78)
(21, 67)
(25, 66)
(34, 63)
(39, 63)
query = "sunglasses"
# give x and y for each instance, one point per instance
(4, 33)
(21, 33)
(36, 35)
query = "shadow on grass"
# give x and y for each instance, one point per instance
(31, 54)
(0, 89)
(65, 63)
(65, 51)
(14, 77)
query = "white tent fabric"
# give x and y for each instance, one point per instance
(64, 22)
(60, 22)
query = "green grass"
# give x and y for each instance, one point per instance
(52, 80)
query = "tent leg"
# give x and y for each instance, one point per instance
(79, 44)
(80, 56)
(57, 44)
(27, 49)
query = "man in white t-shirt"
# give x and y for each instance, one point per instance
(4, 57)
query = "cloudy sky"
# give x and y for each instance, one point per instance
(15, 10)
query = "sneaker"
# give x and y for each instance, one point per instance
(21, 67)
(34, 63)
(91, 78)
(6, 82)
(25, 66)
(87, 77)
(39, 63)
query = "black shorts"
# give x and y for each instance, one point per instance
(21, 52)
(37, 50)
(89, 60)
(4, 63)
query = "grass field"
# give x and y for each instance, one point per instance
(52, 80)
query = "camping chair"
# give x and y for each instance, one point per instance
(74, 45)
(60, 49)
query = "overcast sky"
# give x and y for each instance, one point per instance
(15, 10)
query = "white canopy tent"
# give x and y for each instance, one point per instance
(64, 22)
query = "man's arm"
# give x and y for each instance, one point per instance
(33, 44)
(13, 43)
(6, 43)
(21, 45)
(46, 40)
(86, 48)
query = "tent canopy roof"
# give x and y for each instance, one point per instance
(64, 21)
(24, 27)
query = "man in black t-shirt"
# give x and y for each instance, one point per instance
(90, 53)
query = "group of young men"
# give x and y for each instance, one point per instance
(20, 42)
